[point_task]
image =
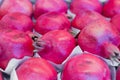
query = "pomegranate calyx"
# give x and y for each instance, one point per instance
(39, 45)
(116, 55)
(69, 16)
(115, 61)
(34, 38)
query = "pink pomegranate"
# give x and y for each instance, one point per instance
(18, 21)
(14, 44)
(1, 78)
(115, 21)
(52, 21)
(100, 38)
(85, 67)
(36, 69)
(56, 45)
(111, 8)
(118, 74)
(44, 6)
(83, 18)
(80, 5)
(23, 6)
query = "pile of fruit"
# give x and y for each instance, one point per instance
(45, 31)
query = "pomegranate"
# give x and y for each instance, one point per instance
(56, 45)
(44, 6)
(85, 67)
(14, 44)
(118, 74)
(111, 8)
(36, 69)
(115, 21)
(52, 21)
(83, 18)
(1, 78)
(23, 6)
(18, 21)
(3, 27)
(100, 38)
(81, 5)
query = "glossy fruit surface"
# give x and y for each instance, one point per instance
(84, 18)
(56, 45)
(17, 21)
(80, 5)
(14, 44)
(111, 8)
(85, 67)
(100, 38)
(52, 21)
(23, 6)
(36, 69)
(44, 6)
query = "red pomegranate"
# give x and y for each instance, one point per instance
(111, 8)
(56, 45)
(17, 21)
(52, 21)
(100, 38)
(115, 21)
(44, 6)
(14, 44)
(85, 67)
(36, 69)
(23, 6)
(84, 18)
(80, 5)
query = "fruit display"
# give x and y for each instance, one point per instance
(59, 40)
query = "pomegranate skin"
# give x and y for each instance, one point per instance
(56, 45)
(14, 44)
(80, 5)
(52, 21)
(1, 78)
(44, 6)
(115, 21)
(85, 67)
(17, 21)
(118, 74)
(99, 38)
(23, 6)
(111, 8)
(36, 69)
(83, 18)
